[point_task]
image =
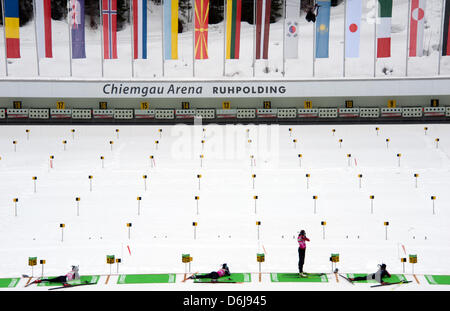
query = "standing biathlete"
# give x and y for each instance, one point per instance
(302, 239)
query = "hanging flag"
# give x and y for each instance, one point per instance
(170, 9)
(352, 27)
(109, 16)
(12, 28)
(140, 29)
(384, 28)
(201, 29)
(44, 28)
(76, 20)
(291, 28)
(446, 32)
(233, 28)
(416, 27)
(323, 28)
(262, 29)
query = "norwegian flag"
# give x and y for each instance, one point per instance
(109, 14)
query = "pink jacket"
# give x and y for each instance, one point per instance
(221, 272)
(302, 241)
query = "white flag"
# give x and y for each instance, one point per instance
(291, 28)
(352, 27)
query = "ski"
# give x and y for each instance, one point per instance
(217, 281)
(346, 279)
(401, 282)
(34, 282)
(189, 277)
(71, 285)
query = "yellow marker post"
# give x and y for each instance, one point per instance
(160, 133)
(111, 143)
(315, 197)
(349, 157)
(139, 205)
(416, 176)
(77, 199)
(300, 159)
(197, 198)
(387, 143)
(290, 132)
(247, 133)
(403, 260)
(199, 176)
(203, 144)
(15, 144)
(252, 161)
(42, 262)
(253, 180)
(360, 179)
(307, 180)
(412, 261)
(103, 161)
(194, 224)
(295, 143)
(117, 133)
(340, 142)
(28, 133)
(260, 258)
(323, 223)
(425, 129)
(34, 178)
(258, 224)
(399, 155)
(129, 225)
(372, 197)
(73, 133)
(386, 225)
(334, 258)
(64, 144)
(62, 226)
(32, 261)
(201, 160)
(144, 177)
(377, 129)
(333, 131)
(152, 161)
(110, 259)
(156, 144)
(437, 143)
(433, 198)
(15, 200)
(50, 162)
(118, 261)
(90, 177)
(255, 197)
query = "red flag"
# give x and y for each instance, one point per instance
(109, 14)
(201, 29)
(262, 28)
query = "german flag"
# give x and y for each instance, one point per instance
(12, 29)
(233, 28)
(201, 29)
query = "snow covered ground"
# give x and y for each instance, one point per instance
(226, 230)
(213, 68)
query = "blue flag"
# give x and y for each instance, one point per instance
(76, 18)
(323, 28)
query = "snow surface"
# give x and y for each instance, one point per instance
(301, 68)
(227, 230)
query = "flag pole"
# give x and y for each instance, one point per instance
(69, 20)
(162, 36)
(4, 37)
(132, 37)
(407, 37)
(100, 8)
(375, 42)
(284, 39)
(345, 37)
(36, 39)
(193, 38)
(440, 37)
(254, 36)
(314, 50)
(224, 35)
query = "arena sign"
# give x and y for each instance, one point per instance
(61, 88)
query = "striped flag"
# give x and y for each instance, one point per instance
(76, 20)
(12, 28)
(201, 29)
(416, 27)
(233, 28)
(109, 16)
(44, 28)
(170, 12)
(323, 28)
(446, 32)
(352, 27)
(262, 29)
(140, 29)
(291, 25)
(384, 28)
